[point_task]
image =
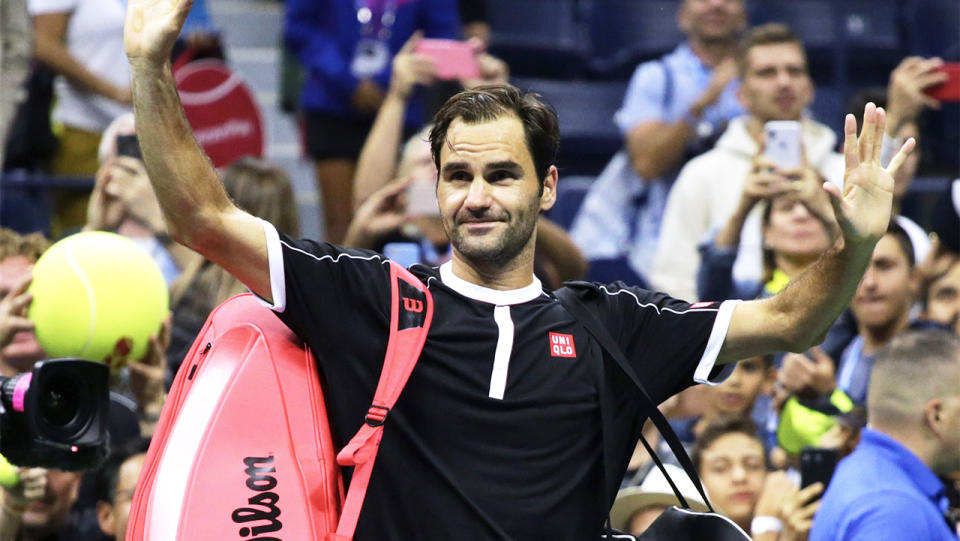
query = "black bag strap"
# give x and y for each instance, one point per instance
(568, 298)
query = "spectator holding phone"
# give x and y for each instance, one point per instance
(888, 488)
(906, 99)
(346, 47)
(733, 468)
(775, 86)
(795, 234)
(124, 203)
(675, 108)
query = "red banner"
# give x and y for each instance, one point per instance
(225, 118)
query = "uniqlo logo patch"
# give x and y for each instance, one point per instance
(561, 345)
(701, 304)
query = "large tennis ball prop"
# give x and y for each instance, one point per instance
(97, 296)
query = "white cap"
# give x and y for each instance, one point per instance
(654, 491)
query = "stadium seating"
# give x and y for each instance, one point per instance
(589, 136)
(540, 38)
(626, 32)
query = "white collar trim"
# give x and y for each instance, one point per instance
(485, 294)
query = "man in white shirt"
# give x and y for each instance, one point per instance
(775, 85)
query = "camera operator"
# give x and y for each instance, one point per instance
(116, 482)
(19, 351)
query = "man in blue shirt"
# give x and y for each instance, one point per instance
(675, 107)
(888, 489)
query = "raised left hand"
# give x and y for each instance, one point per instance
(863, 209)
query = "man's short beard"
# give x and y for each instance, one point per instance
(507, 247)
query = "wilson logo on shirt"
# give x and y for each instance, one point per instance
(561, 345)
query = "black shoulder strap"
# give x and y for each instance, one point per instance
(596, 329)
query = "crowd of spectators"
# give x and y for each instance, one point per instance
(690, 205)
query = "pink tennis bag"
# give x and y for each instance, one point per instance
(243, 449)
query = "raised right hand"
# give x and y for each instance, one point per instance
(763, 182)
(800, 373)
(410, 68)
(381, 213)
(723, 73)
(13, 311)
(152, 27)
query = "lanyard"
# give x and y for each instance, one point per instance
(370, 24)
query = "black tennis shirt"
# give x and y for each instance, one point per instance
(497, 433)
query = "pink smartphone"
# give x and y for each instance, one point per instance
(455, 59)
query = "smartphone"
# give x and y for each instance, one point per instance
(817, 464)
(403, 253)
(455, 60)
(782, 143)
(422, 198)
(949, 90)
(127, 145)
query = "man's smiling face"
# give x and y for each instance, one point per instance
(488, 190)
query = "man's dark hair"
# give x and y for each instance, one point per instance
(903, 240)
(109, 473)
(719, 427)
(765, 34)
(487, 103)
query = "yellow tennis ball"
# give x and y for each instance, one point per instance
(8, 473)
(97, 296)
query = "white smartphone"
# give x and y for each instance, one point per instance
(422, 198)
(782, 143)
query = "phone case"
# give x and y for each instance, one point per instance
(948, 91)
(782, 143)
(817, 465)
(422, 198)
(454, 59)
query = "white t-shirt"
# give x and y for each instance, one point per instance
(95, 39)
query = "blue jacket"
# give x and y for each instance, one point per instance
(323, 35)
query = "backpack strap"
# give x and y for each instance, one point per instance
(411, 311)
(568, 298)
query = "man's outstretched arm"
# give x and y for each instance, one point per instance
(799, 317)
(195, 206)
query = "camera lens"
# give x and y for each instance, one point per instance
(59, 402)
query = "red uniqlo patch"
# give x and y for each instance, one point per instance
(701, 304)
(561, 345)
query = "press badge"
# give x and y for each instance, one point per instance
(370, 58)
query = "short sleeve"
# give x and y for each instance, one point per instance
(643, 101)
(322, 291)
(41, 7)
(888, 516)
(671, 343)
